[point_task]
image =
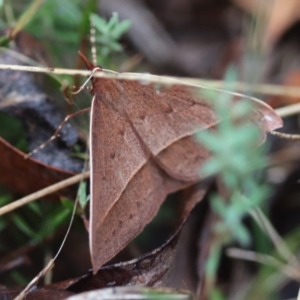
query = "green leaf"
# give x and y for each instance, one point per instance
(108, 34)
(123, 27)
(213, 261)
(83, 198)
(23, 226)
(216, 294)
(3, 224)
(115, 46)
(4, 199)
(112, 22)
(35, 208)
(60, 217)
(53, 221)
(18, 278)
(67, 203)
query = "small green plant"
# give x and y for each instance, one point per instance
(108, 34)
(236, 163)
(83, 198)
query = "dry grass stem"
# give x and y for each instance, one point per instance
(44, 192)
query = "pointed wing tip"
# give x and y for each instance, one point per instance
(272, 121)
(269, 119)
(99, 258)
(97, 264)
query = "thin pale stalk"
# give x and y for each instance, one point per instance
(44, 192)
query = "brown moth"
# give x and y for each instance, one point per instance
(141, 149)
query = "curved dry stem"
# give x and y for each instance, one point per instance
(288, 269)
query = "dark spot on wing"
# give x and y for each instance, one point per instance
(193, 103)
(112, 155)
(168, 109)
(120, 224)
(130, 216)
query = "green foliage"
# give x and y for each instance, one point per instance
(83, 198)
(60, 27)
(213, 261)
(236, 162)
(161, 294)
(59, 22)
(53, 221)
(16, 133)
(19, 278)
(45, 222)
(22, 225)
(108, 34)
(217, 295)
(31, 226)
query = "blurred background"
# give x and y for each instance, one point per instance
(186, 38)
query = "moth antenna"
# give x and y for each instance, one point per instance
(93, 41)
(286, 136)
(56, 133)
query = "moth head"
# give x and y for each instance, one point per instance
(90, 66)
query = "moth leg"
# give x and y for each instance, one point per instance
(56, 133)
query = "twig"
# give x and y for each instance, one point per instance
(279, 90)
(290, 270)
(278, 242)
(32, 283)
(288, 110)
(50, 264)
(46, 191)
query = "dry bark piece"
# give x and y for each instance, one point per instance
(142, 149)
